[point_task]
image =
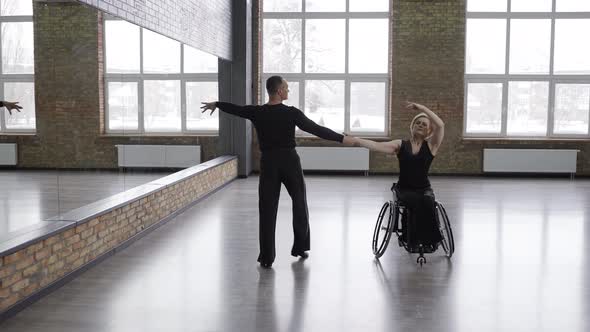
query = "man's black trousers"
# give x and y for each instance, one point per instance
(276, 167)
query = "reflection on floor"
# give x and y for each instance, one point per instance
(30, 196)
(520, 265)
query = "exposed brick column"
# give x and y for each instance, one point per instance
(67, 85)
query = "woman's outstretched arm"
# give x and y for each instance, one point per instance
(391, 147)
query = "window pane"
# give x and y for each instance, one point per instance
(282, 5)
(572, 6)
(197, 61)
(160, 54)
(530, 44)
(572, 103)
(24, 93)
(368, 55)
(369, 6)
(325, 5)
(527, 108)
(293, 95)
(196, 93)
(282, 46)
(324, 103)
(123, 106)
(367, 107)
(486, 46)
(17, 48)
(16, 7)
(122, 47)
(324, 43)
(572, 51)
(484, 108)
(162, 106)
(486, 6)
(531, 5)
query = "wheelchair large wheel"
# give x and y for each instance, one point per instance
(383, 230)
(448, 242)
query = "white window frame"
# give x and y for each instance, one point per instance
(13, 78)
(140, 78)
(505, 78)
(346, 76)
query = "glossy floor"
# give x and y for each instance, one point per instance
(520, 265)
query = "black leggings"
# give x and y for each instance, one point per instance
(421, 205)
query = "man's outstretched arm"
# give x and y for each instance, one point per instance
(241, 111)
(307, 125)
(10, 106)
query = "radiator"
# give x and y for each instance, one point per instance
(530, 160)
(334, 159)
(8, 154)
(158, 155)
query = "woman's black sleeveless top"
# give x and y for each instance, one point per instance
(413, 169)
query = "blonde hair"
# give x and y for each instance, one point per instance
(421, 115)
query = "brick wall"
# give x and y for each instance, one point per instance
(205, 24)
(40, 264)
(70, 95)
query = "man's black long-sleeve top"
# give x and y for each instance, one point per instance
(275, 124)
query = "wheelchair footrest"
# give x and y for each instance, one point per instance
(415, 249)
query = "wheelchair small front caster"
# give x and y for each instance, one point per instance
(421, 259)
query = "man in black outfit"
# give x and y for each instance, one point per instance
(279, 163)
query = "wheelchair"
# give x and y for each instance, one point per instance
(393, 218)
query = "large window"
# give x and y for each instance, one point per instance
(155, 85)
(527, 69)
(334, 53)
(17, 69)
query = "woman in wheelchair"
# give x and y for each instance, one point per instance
(413, 187)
